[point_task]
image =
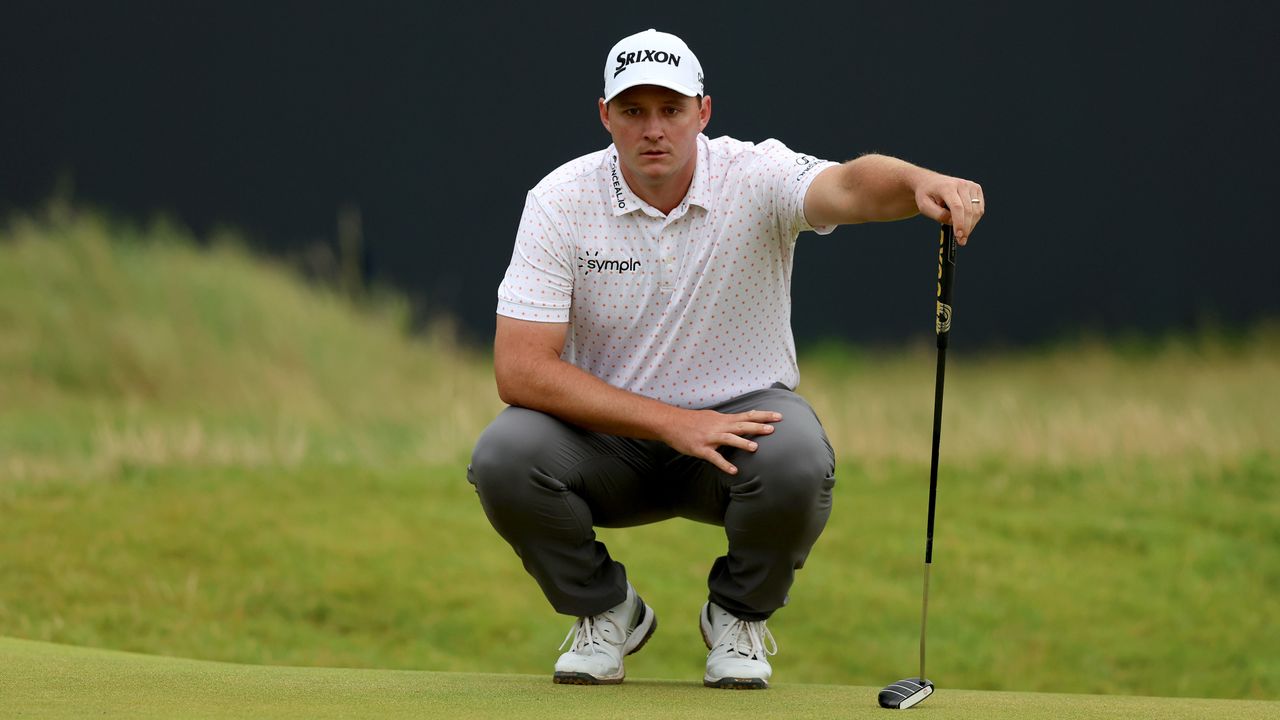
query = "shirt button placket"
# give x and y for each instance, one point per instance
(666, 260)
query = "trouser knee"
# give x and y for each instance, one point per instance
(794, 477)
(508, 466)
(788, 488)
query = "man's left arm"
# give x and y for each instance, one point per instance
(876, 188)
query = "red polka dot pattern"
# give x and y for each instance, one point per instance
(691, 308)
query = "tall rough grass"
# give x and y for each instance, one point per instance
(136, 346)
(1204, 397)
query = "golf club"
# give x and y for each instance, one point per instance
(912, 691)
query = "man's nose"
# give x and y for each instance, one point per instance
(653, 128)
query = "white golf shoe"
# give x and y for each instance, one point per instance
(600, 642)
(739, 650)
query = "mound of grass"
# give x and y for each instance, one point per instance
(203, 456)
(123, 346)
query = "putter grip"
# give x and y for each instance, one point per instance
(946, 277)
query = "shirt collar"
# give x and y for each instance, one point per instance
(623, 200)
(699, 190)
(620, 195)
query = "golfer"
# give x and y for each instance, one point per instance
(644, 346)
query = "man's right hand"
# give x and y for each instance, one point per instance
(700, 433)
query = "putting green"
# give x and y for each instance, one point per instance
(55, 681)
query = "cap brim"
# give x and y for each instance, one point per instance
(659, 81)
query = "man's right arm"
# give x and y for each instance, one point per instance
(530, 374)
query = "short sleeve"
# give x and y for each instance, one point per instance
(538, 285)
(785, 176)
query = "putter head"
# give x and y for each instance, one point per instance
(905, 693)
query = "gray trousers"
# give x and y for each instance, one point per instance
(546, 484)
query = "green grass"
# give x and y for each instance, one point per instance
(56, 681)
(201, 456)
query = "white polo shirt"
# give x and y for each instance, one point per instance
(691, 308)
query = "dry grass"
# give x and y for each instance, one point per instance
(1209, 399)
(136, 347)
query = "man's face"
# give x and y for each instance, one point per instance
(655, 130)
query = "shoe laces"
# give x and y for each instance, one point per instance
(586, 637)
(747, 638)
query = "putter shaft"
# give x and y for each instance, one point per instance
(946, 274)
(924, 618)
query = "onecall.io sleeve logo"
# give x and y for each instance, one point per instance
(806, 163)
(590, 262)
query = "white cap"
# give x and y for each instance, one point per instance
(652, 58)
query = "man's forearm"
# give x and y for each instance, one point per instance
(884, 186)
(558, 388)
(872, 188)
(876, 188)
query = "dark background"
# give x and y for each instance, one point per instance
(1127, 151)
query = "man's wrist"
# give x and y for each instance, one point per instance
(914, 177)
(663, 419)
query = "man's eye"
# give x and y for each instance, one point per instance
(672, 110)
(632, 112)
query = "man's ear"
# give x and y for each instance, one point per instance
(604, 113)
(704, 113)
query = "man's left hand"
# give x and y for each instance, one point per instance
(952, 201)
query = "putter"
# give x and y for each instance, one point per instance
(912, 691)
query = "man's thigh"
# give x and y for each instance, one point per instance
(798, 444)
(617, 477)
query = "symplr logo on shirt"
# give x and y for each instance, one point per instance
(592, 262)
